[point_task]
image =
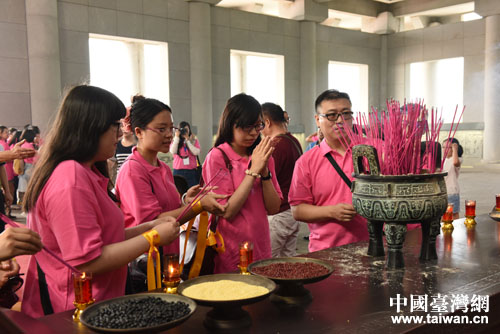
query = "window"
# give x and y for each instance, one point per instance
(127, 67)
(440, 83)
(258, 74)
(351, 79)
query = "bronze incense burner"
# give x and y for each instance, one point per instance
(397, 200)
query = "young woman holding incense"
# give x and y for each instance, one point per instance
(253, 188)
(145, 185)
(70, 205)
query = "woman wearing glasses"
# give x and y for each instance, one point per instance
(70, 206)
(145, 185)
(252, 186)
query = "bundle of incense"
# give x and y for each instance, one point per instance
(202, 193)
(397, 134)
(55, 256)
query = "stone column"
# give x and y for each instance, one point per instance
(200, 51)
(491, 139)
(44, 62)
(308, 91)
(383, 71)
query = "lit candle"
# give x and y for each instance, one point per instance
(448, 215)
(82, 284)
(246, 254)
(498, 202)
(470, 208)
(171, 266)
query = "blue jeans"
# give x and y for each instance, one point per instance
(455, 200)
(190, 175)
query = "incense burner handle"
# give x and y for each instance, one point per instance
(370, 153)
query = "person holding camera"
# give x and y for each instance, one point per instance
(185, 149)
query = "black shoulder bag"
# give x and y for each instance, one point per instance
(339, 170)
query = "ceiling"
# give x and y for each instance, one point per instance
(359, 14)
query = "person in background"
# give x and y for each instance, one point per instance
(28, 137)
(287, 120)
(38, 139)
(125, 144)
(9, 173)
(70, 205)
(317, 142)
(452, 167)
(13, 139)
(185, 148)
(282, 226)
(252, 185)
(318, 194)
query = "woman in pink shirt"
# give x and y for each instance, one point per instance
(70, 205)
(185, 148)
(252, 183)
(145, 185)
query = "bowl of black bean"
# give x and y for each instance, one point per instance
(140, 313)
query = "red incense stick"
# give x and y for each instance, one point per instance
(202, 193)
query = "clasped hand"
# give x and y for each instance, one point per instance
(261, 155)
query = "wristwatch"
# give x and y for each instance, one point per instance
(268, 177)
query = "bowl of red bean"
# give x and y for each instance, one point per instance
(286, 269)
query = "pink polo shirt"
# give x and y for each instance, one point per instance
(145, 191)
(250, 224)
(186, 153)
(8, 164)
(33, 159)
(316, 182)
(75, 218)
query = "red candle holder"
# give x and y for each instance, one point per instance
(246, 256)
(448, 218)
(82, 285)
(470, 213)
(497, 207)
(171, 272)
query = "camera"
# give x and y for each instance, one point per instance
(184, 131)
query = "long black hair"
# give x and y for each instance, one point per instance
(182, 125)
(241, 110)
(85, 114)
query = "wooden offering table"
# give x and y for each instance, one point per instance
(362, 296)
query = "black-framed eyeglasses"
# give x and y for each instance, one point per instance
(258, 127)
(334, 116)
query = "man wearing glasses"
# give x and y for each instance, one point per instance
(319, 194)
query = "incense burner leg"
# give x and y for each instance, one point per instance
(395, 235)
(430, 230)
(376, 244)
